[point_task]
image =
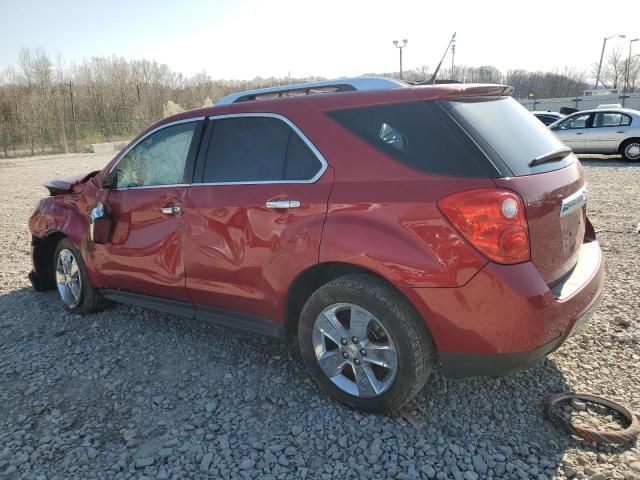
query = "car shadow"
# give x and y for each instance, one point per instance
(605, 161)
(162, 373)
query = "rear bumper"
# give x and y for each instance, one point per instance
(462, 365)
(507, 318)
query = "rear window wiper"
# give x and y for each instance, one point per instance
(553, 156)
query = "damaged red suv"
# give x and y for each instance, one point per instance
(387, 226)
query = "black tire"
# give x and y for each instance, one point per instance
(412, 342)
(625, 153)
(91, 300)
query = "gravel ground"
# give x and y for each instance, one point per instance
(130, 393)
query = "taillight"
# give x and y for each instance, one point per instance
(492, 220)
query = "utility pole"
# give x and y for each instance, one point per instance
(604, 44)
(397, 44)
(626, 74)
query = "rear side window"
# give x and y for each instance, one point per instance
(509, 134)
(418, 134)
(257, 149)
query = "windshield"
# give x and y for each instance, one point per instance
(509, 133)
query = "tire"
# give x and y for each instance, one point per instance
(393, 325)
(630, 150)
(83, 298)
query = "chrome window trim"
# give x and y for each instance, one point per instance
(131, 147)
(323, 162)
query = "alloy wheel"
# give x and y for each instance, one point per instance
(354, 350)
(68, 278)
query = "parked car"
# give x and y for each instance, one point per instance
(547, 117)
(387, 227)
(603, 130)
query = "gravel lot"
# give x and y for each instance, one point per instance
(130, 393)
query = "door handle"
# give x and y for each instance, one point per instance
(620, 131)
(579, 133)
(172, 210)
(283, 204)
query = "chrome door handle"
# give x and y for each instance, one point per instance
(579, 133)
(620, 131)
(283, 204)
(174, 209)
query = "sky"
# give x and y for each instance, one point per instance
(243, 39)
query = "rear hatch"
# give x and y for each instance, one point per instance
(540, 168)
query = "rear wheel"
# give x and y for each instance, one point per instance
(630, 150)
(75, 289)
(364, 343)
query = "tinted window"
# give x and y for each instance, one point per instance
(300, 162)
(257, 149)
(508, 133)
(418, 134)
(159, 159)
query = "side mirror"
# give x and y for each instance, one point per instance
(109, 180)
(99, 224)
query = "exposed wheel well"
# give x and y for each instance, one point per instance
(308, 282)
(44, 249)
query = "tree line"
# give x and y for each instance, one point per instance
(48, 106)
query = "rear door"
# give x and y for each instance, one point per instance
(573, 131)
(607, 132)
(144, 254)
(254, 216)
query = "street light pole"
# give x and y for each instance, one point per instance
(604, 44)
(397, 44)
(626, 74)
(453, 56)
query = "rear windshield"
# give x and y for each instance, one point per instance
(418, 134)
(508, 133)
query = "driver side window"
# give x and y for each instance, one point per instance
(159, 159)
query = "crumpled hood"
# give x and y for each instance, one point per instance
(66, 184)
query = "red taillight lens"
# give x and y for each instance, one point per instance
(492, 220)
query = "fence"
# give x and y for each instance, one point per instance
(630, 100)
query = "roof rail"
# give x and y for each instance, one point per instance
(340, 85)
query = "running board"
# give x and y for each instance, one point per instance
(225, 318)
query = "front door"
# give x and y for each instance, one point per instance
(144, 254)
(254, 217)
(573, 131)
(607, 132)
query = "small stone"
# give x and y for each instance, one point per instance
(598, 476)
(211, 406)
(479, 465)
(144, 462)
(296, 430)
(469, 475)
(206, 462)
(247, 464)
(569, 472)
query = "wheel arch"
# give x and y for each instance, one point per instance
(44, 249)
(309, 280)
(625, 141)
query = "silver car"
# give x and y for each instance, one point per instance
(608, 131)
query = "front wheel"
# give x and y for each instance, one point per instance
(71, 277)
(364, 343)
(630, 150)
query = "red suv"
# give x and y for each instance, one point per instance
(387, 226)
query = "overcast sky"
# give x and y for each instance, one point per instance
(246, 38)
